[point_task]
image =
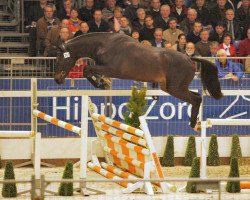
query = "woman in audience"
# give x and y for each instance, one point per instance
(114, 22)
(74, 22)
(228, 46)
(181, 44)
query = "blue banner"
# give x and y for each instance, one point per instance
(167, 116)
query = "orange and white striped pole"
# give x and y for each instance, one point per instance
(123, 142)
(57, 122)
(129, 160)
(122, 134)
(117, 124)
(108, 174)
(118, 171)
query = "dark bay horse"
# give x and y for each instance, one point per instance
(120, 56)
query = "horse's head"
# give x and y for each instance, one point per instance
(64, 62)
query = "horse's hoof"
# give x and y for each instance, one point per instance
(155, 97)
(197, 127)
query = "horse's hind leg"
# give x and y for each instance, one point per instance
(190, 97)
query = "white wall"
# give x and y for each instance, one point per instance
(56, 148)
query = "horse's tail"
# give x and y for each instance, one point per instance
(209, 77)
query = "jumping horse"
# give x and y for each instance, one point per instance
(120, 56)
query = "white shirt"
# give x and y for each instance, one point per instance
(226, 47)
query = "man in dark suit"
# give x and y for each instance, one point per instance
(162, 20)
(158, 40)
(218, 13)
(232, 25)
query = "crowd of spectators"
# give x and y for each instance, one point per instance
(193, 27)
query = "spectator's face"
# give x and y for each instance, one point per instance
(165, 12)
(141, 15)
(73, 14)
(89, 3)
(248, 34)
(182, 40)
(84, 27)
(124, 22)
(64, 34)
(197, 27)
(135, 35)
(200, 3)
(135, 2)
(221, 3)
(245, 3)
(172, 24)
(117, 14)
(155, 4)
(179, 3)
(65, 23)
(67, 5)
(219, 29)
(98, 16)
(192, 15)
(149, 22)
(222, 57)
(214, 49)
(43, 1)
(111, 3)
(204, 36)
(48, 12)
(230, 15)
(190, 48)
(158, 35)
(227, 40)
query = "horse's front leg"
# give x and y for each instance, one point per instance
(95, 77)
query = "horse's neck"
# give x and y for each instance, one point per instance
(84, 48)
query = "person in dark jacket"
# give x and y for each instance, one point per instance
(86, 13)
(98, 24)
(158, 40)
(147, 33)
(218, 13)
(154, 9)
(179, 10)
(203, 14)
(162, 20)
(218, 34)
(130, 11)
(233, 26)
(84, 28)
